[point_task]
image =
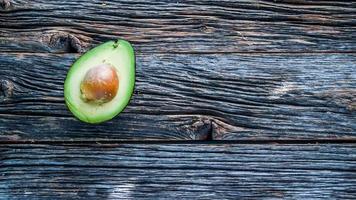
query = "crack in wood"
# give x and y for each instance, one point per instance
(118, 142)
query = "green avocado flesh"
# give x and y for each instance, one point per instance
(120, 55)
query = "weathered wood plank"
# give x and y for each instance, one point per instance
(248, 171)
(179, 26)
(236, 96)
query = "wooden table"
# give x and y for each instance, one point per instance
(233, 100)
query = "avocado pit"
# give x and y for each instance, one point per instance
(100, 84)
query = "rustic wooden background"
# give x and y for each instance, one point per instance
(233, 100)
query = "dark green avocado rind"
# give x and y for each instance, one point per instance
(73, 103)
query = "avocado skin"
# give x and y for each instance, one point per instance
(72, 103)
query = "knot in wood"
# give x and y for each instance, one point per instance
(69, 42)
(6, 89)
(202, 129)
(207, 29)
(5, 4)
(75, 44)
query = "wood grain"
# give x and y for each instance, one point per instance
(190, 97)
(179, 26)
(321, 171)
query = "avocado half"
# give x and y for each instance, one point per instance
(120, 56)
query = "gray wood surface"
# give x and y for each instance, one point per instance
(319, 171)
(179, 26)
(272, 82)
(188, 97)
